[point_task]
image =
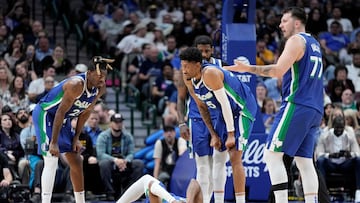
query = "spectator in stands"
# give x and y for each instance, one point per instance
(316, 22)
(92, 128)
(151, 67)
(13, 53)
(261, 93)
(33, 65)
(163, 86)
(5, 39)
(347, 99)
(43, 49)
(59, 60)
(333, 41)
(132, 43)
(37, 86)
(346, 24)
(10, 142)
(49, 84)
(104, 115)
(36, 27)
(273, 86)
(341, 76)
(21, 70)
(268, 111)
(92, 26)
(111, 27)
(338, 151)
(16, 96)
(354, 70)
(166, 153)
(115, 153)
(350, 119)
(134, 65)
(263, 55)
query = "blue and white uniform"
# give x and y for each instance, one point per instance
(45, 112)
(242, 102)
(294, 128)
(200, 135)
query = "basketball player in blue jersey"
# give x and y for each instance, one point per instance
(73, 97)
(210, 164)
(220, 92)
(155, 192)
(295, 126)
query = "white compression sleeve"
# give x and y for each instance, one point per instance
(203, 176)
(137, 189)
(226, 109)
(308, 177)
(48, 177)
(219, 175)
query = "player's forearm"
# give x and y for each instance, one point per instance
(266, 71)
(181, 110)
(205, 114)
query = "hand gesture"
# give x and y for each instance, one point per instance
(184, 132)
(54, 149)
(76, 145)
(215, 141)
(230, 141)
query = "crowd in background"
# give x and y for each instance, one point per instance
(145, 38)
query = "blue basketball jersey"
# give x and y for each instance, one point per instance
(50, 102)
(302, 83)
(193, 111)
(240, 97)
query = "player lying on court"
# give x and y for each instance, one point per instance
(156, 193)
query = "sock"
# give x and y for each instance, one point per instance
(79, 197)
(240, 198)
(281, 195)
(311, 198)
(159, 191)
(137, 189)
(219, 197)
(357, 196)
(48, 178)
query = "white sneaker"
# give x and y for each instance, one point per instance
(357, 196)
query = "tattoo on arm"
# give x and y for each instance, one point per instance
(205, 114)
(262, 70)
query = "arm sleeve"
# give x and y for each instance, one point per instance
(226, 108)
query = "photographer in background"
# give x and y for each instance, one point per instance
(338, 151)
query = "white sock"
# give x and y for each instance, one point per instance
(48, 178)
(219, 197)
(311, 198)
(137, 189)
(240, 198)
(357, 196)
(281, 195)
(79, 197)
(159, 191)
